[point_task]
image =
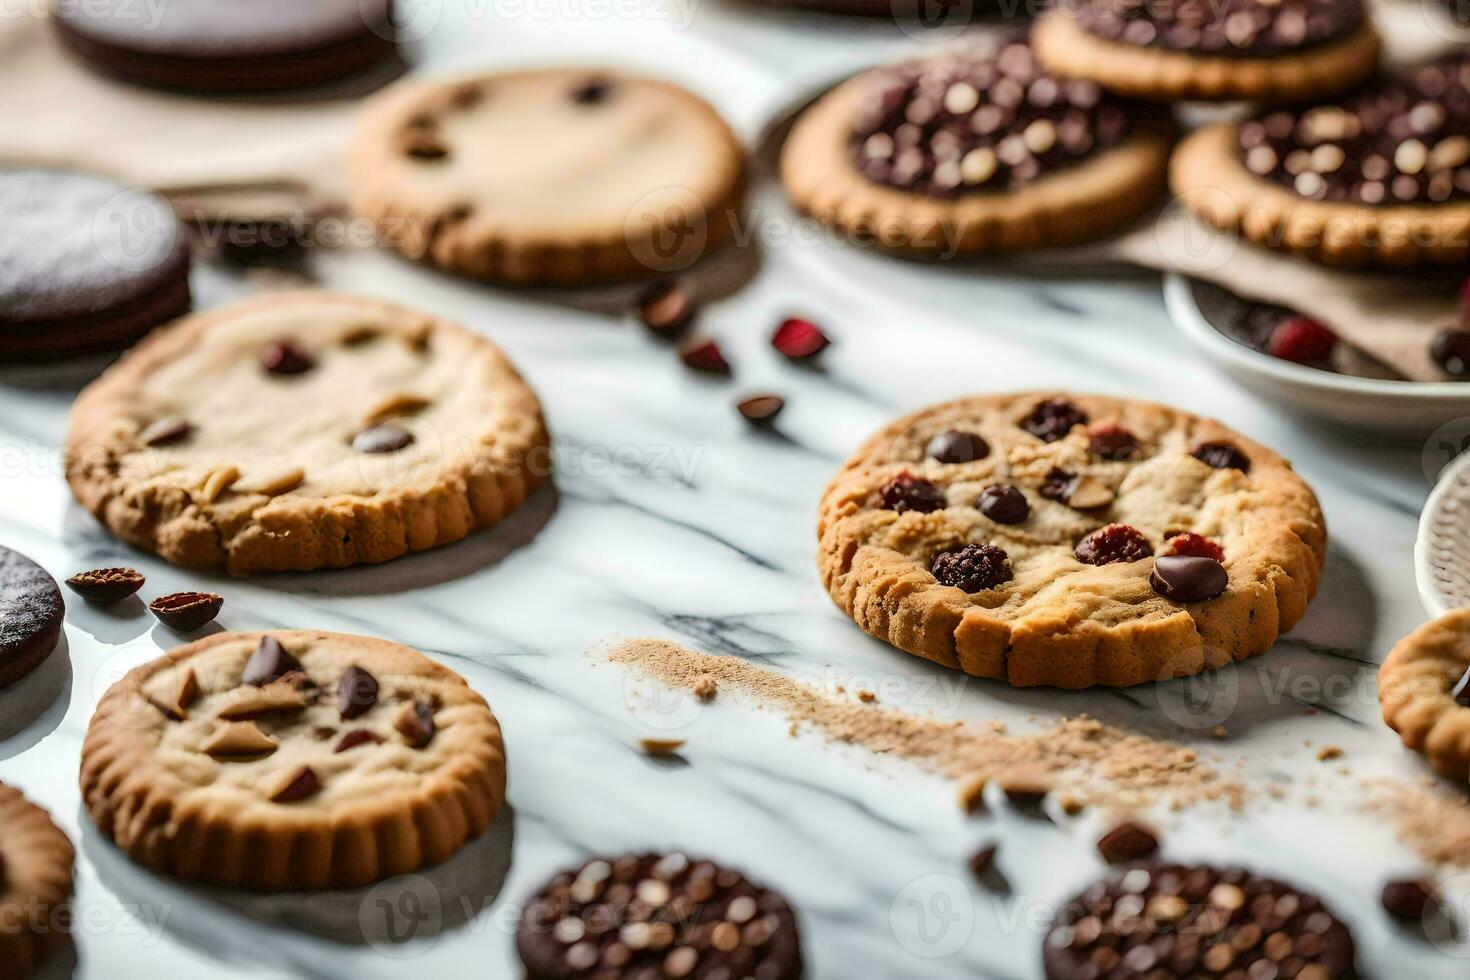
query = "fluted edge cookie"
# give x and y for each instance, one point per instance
(292, 760)
(1163, 75)
(1044, 538)
(561, 177)
(1080, 202)
(35, 885)
(305, 430)
(1424, 691)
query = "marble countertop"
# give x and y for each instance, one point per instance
(671, 517)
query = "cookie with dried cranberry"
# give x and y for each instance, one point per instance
(566, 176)
(1379, 178)
(35, 885)
(1173, 920)
(1255, 50)
(972, 151)
(31, 613)
(1424, 691)
(290, 760)
(1194, 547)
(657, 915)
(305, 430)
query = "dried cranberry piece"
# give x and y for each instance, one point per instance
(799, 339)
(1187, 544)
(1113, 442)
(907, 492)
(703, 354)
(956, 446)
(1302, 340)
(1222, 456)
(973, 568)
(1004, 504)
(284, 357)
(1113, 543)
(300, 786)
(356, 737)
(1053, 419)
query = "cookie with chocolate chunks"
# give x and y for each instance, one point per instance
(1197, 921)
(36, 861)
(1378, 178)
(556, 176)
(31, 611)
(1227, 50)
(305, 430)
(974, 150)
(657, 915)
(1045, 562)
(196, 767)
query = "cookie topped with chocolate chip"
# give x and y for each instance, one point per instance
(972, 150)
(290, 760)
(305, 430)
(1097, 541)
(657, 915)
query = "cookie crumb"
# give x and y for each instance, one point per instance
(705, 688)
(867, 697)
(1329, 752)
(660, 746)
(1220, 731)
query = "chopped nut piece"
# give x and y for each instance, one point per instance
(217, 483)
(238, 738)
(185, 690)
(395, 406)
(661, 746)
(249, 701)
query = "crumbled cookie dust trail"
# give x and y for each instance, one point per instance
(1432, 820)
(1098, 764)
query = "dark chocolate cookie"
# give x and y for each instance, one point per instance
(85, 264)
(1196, 921)
(31, 610)
(228, 45)
(655, 916)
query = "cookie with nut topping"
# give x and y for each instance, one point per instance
(1253, 50)
(292, 760)
(976, 150)
(1073, 540)
(305, 430)
(1379, 178)
(658, 915)
(552, 176)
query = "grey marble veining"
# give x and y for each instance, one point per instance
(673, 518)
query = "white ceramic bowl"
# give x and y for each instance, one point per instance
(1442, 552)
(1398, 410)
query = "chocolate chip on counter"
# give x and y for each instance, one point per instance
(385, 438)
(799, 339)
(704, 355)
(269, 662)
(983, 860)
(1461, 691)
(1451, 350)
(284, 358)
(415, 722)
(166, 431)
(357, 692)
(106, 585)
(1185, 578)
(185, 612)
(906, 492)
(300, 785)
(357, 736)
(667, 309)
(1004, 504)
(1127, 842)
(1409, 898)
(1222, 456)
(761, 409)
(956, 446)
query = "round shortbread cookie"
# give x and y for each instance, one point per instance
(1070, 540)
(560, 176)
(305, 430)
(35, 885)
(292, 760)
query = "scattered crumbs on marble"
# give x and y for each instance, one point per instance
(1431, 819)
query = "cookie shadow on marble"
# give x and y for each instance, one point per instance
(282, 931)
(61, 963)
(32, 707)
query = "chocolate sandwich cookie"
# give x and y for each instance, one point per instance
(31, 611)
(976, 150)
(657, 916)
(1382, 177)
(227, 45)
(36, 861)
(85, 264)
(1261, 50)
(1196, 921)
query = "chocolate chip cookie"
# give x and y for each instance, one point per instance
(1196, 921)
(1257, 50)
(85, 264)
(566, 176)
(1424, 691)
(657, 915)
(1380, 178)
(1070, 540)
(226, 45)
(976, 150)
(31, 612)
(292, 760)
(35, 885)
(305, 430)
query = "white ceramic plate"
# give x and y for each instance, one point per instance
(1442, 552)
(1399, 410)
